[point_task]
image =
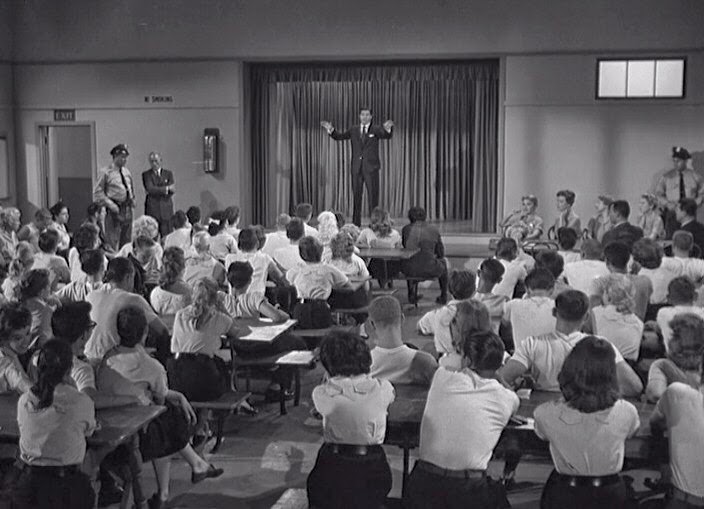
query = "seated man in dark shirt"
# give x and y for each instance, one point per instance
(622, 230)
(686, 214)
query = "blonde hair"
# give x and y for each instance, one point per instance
(204, 302)
(327, 227)
(621, 293)
(145, 226)
(201, 242)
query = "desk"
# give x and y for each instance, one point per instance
(386, 253)
(263, 330)
(406, 413)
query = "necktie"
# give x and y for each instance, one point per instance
(683, 192)
(127, 187)
(364, 131)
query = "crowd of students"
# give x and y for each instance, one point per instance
(614, 319)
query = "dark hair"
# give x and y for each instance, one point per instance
(621, 207)
(340, 218)
(492, 269)
(365, 108)
(341, 246)
(310, 249)
(588, 376)
(118, 269)
(94, 208)
(247, 240)
(686, 344)
(54, 363)
(92, 261)
(646, 352)
(217, 223)
(552, 261)
(416, 214)
(260, 233)
(682, 240)
(304, 211)
(688, 206)
(86, 237)
(567, 238)
(681, 290)
(13, 317)
(231, 214)
(239, 274)
(462, 284)
(179, 219)
(33, 283)
(647, 253)
(131, 324)
(56, 209)
(571, 305)
(507, 248)
(471, 316)
(48, 241)
(540, 278)
(295, 229)
(591, 249)
(617, 254)
(173, 264)
(568, 195)
(193, 214)
(345, 354)
(71, 320)
(484, 349)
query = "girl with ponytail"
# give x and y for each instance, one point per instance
(54, 420)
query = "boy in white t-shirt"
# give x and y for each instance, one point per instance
(391, 359)
(515, 270)
(490, 273)
(580, 274)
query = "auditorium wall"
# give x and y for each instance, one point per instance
(7, 131)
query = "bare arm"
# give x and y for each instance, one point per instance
(510, 372)
(269, 311)
(628, 380)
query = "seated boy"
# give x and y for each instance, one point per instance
(681, 294)
(93, 265)
(490, 274)
(554, 262)
(544, 355)
(580, 274)
(533, 314)
(47, 258)
(567, 240)
(391, 359)
(515, 270)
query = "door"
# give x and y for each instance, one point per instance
(67, 161)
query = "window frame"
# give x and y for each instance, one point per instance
(653, 97)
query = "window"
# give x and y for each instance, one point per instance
(640, 78)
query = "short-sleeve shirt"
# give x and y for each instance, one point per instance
(682, 408)
(591, 444)
(666, 314)
(668, 186)
(437, 322)
(316, 280)
(663, 373)
(260, 263)
(459, 401)
(274, 241)
(355, 267)
(13, 377)
(82, 373)
(179, 238)
(106, 302)
(545, 355)
(367, 237)
(403, 365)
(514, 271)
(56, 264)
(206, 340)
(242, 306)
(222, 245)
(288, 256)
(669, 269)
(55, 435)
(147, 374)
(580, 274)
(168, 303)
(354, 409)
(624, 331)
(495, 304)
(530, 316)
(642, 285)
(197, 268)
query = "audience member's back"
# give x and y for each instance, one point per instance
(533, 314)
(580, 274)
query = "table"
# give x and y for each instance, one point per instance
(386, 254)
(406, 412)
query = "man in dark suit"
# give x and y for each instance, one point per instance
(622, 231)
(365, 163)
(159, 185)
(686, 214)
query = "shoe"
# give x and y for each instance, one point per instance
(110, 494)
(155, 502)
(247, 409)
(211, 473)
(273, 395)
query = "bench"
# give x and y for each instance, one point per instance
(313, 337)
(221, 407)
(292, 498)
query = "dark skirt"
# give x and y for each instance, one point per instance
(349, 300)
(165, 435)
(312, 314)
(47, 489)
(198, 376)
(558, 494)
(340, 481)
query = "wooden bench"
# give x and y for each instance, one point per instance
(313, 337)
(222, 407)
(292, 498)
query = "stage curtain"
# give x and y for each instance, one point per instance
(443, 155)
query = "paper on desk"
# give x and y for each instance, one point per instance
(268, 332)
(296, 357)
(529, 425)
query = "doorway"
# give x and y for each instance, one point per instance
(67, 164)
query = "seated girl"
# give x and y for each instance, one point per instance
(172, 294)
(170, 432)
(471, 316)
(380, 234)
(351, 470)
(327, 229)
(650, 220)
(599, 224)
(202, 264)
(181, 234)
(352, 266)
(222, 243)
(15, 339)
(264, 265)
(35, 295)
(683, 357)
(566, 217)
(145, 226)
(18, 267)
(587, 431)
(85, 239)
(314, 282)
(452, 468)
(524, 222)
(54, 420)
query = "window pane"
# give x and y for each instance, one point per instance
(641, 78)
(612, 78)
(669, 78)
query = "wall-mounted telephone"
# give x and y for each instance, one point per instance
(211, 148)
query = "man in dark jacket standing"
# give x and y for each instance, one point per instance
(365, 163)
(159, 186)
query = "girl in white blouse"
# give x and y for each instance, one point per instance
(172, 294)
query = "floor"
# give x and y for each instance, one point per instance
(266, 454)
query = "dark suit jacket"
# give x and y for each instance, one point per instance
(697, 230)
(365, 152)
(625, 233)
(158, 203)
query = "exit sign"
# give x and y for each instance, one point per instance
(64, 115)
(159, 99)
